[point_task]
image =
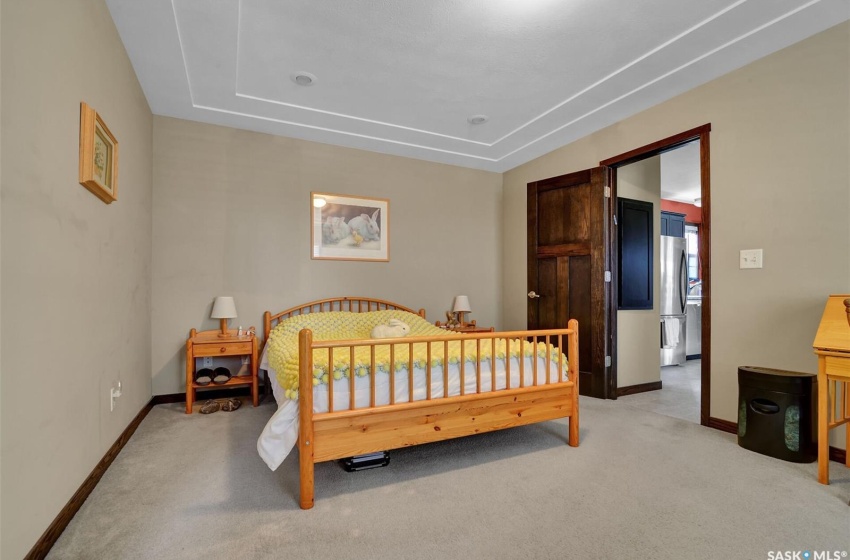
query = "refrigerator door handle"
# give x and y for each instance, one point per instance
(683, 282)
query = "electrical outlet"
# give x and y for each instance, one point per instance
(207, 361)
(751, 258)
(114, 393)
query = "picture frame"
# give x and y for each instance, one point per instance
(349, 227)
(98, 156)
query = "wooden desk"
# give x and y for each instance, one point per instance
(832, 346)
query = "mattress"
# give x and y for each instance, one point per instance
(281, 432)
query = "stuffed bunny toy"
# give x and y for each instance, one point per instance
(335, 230)
(367, 226)
(395, 329)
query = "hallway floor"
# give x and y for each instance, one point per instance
(679, 395)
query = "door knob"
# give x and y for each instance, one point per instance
(532, 295)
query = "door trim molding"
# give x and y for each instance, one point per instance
(702, 134)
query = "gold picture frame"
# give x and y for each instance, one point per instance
(98, 156)
(349, 228)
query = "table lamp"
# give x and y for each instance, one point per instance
(223, 309)
(461, 306)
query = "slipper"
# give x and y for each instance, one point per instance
(209, 407)
(203, 376)
(231, 404)
(221, 376)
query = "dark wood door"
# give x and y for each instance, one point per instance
(567, 258)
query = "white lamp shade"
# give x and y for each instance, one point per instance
(223, 308)
(461, 304)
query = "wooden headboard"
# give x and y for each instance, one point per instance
(351, 304)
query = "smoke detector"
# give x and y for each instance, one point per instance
(303, 78)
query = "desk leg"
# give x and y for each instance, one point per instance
(846, 386)
(823, 422)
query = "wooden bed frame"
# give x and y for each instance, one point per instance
(339, 434)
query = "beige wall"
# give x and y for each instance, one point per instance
(75, 272)
(779, 181)
(1, 286)
(231, 217)
(638, 354)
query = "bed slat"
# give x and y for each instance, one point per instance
(330, 379)
(352, 374)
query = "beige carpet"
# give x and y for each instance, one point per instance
(641, 485)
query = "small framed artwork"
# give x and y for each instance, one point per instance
(98, 156)
(346, 227)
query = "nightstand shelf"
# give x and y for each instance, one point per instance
(469, 329)
(209, 344)
(236, 380)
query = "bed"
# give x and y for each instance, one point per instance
(341, 393)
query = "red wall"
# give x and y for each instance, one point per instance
(692, 214)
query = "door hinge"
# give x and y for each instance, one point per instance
(607, 275)
(615, 219)
(607, 361)
(607, 192)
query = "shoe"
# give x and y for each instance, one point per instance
(221, 375)
(231, 404)
(209, 407)
(203, 376)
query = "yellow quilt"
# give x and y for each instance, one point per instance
(344, 325)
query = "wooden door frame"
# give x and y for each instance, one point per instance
(700, 133)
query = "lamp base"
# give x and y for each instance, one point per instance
(223, 327)
(461, 318)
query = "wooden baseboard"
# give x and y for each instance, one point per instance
(168, 399)
(835, 454)
(723, 425)
(54, 530)
(43, 545)
(635, 389)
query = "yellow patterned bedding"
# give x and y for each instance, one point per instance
(344, 325)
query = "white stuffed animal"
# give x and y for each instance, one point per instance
(395, 329)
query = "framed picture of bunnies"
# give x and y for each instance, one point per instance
(346, 227)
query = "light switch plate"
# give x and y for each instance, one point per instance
(751, 258)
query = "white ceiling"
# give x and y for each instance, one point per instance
(680, 173)
(402, 77)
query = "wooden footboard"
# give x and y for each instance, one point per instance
(343, 433)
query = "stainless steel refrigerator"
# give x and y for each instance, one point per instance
(674, 299)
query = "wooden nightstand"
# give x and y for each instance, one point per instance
(467, 328)
(207, 343)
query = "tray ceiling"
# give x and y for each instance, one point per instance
(404, 77)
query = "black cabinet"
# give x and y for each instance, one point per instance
(673, 224)
(636, 242)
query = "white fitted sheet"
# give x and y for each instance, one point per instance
(281, 432)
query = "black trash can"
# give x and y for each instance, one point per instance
(777, 413)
